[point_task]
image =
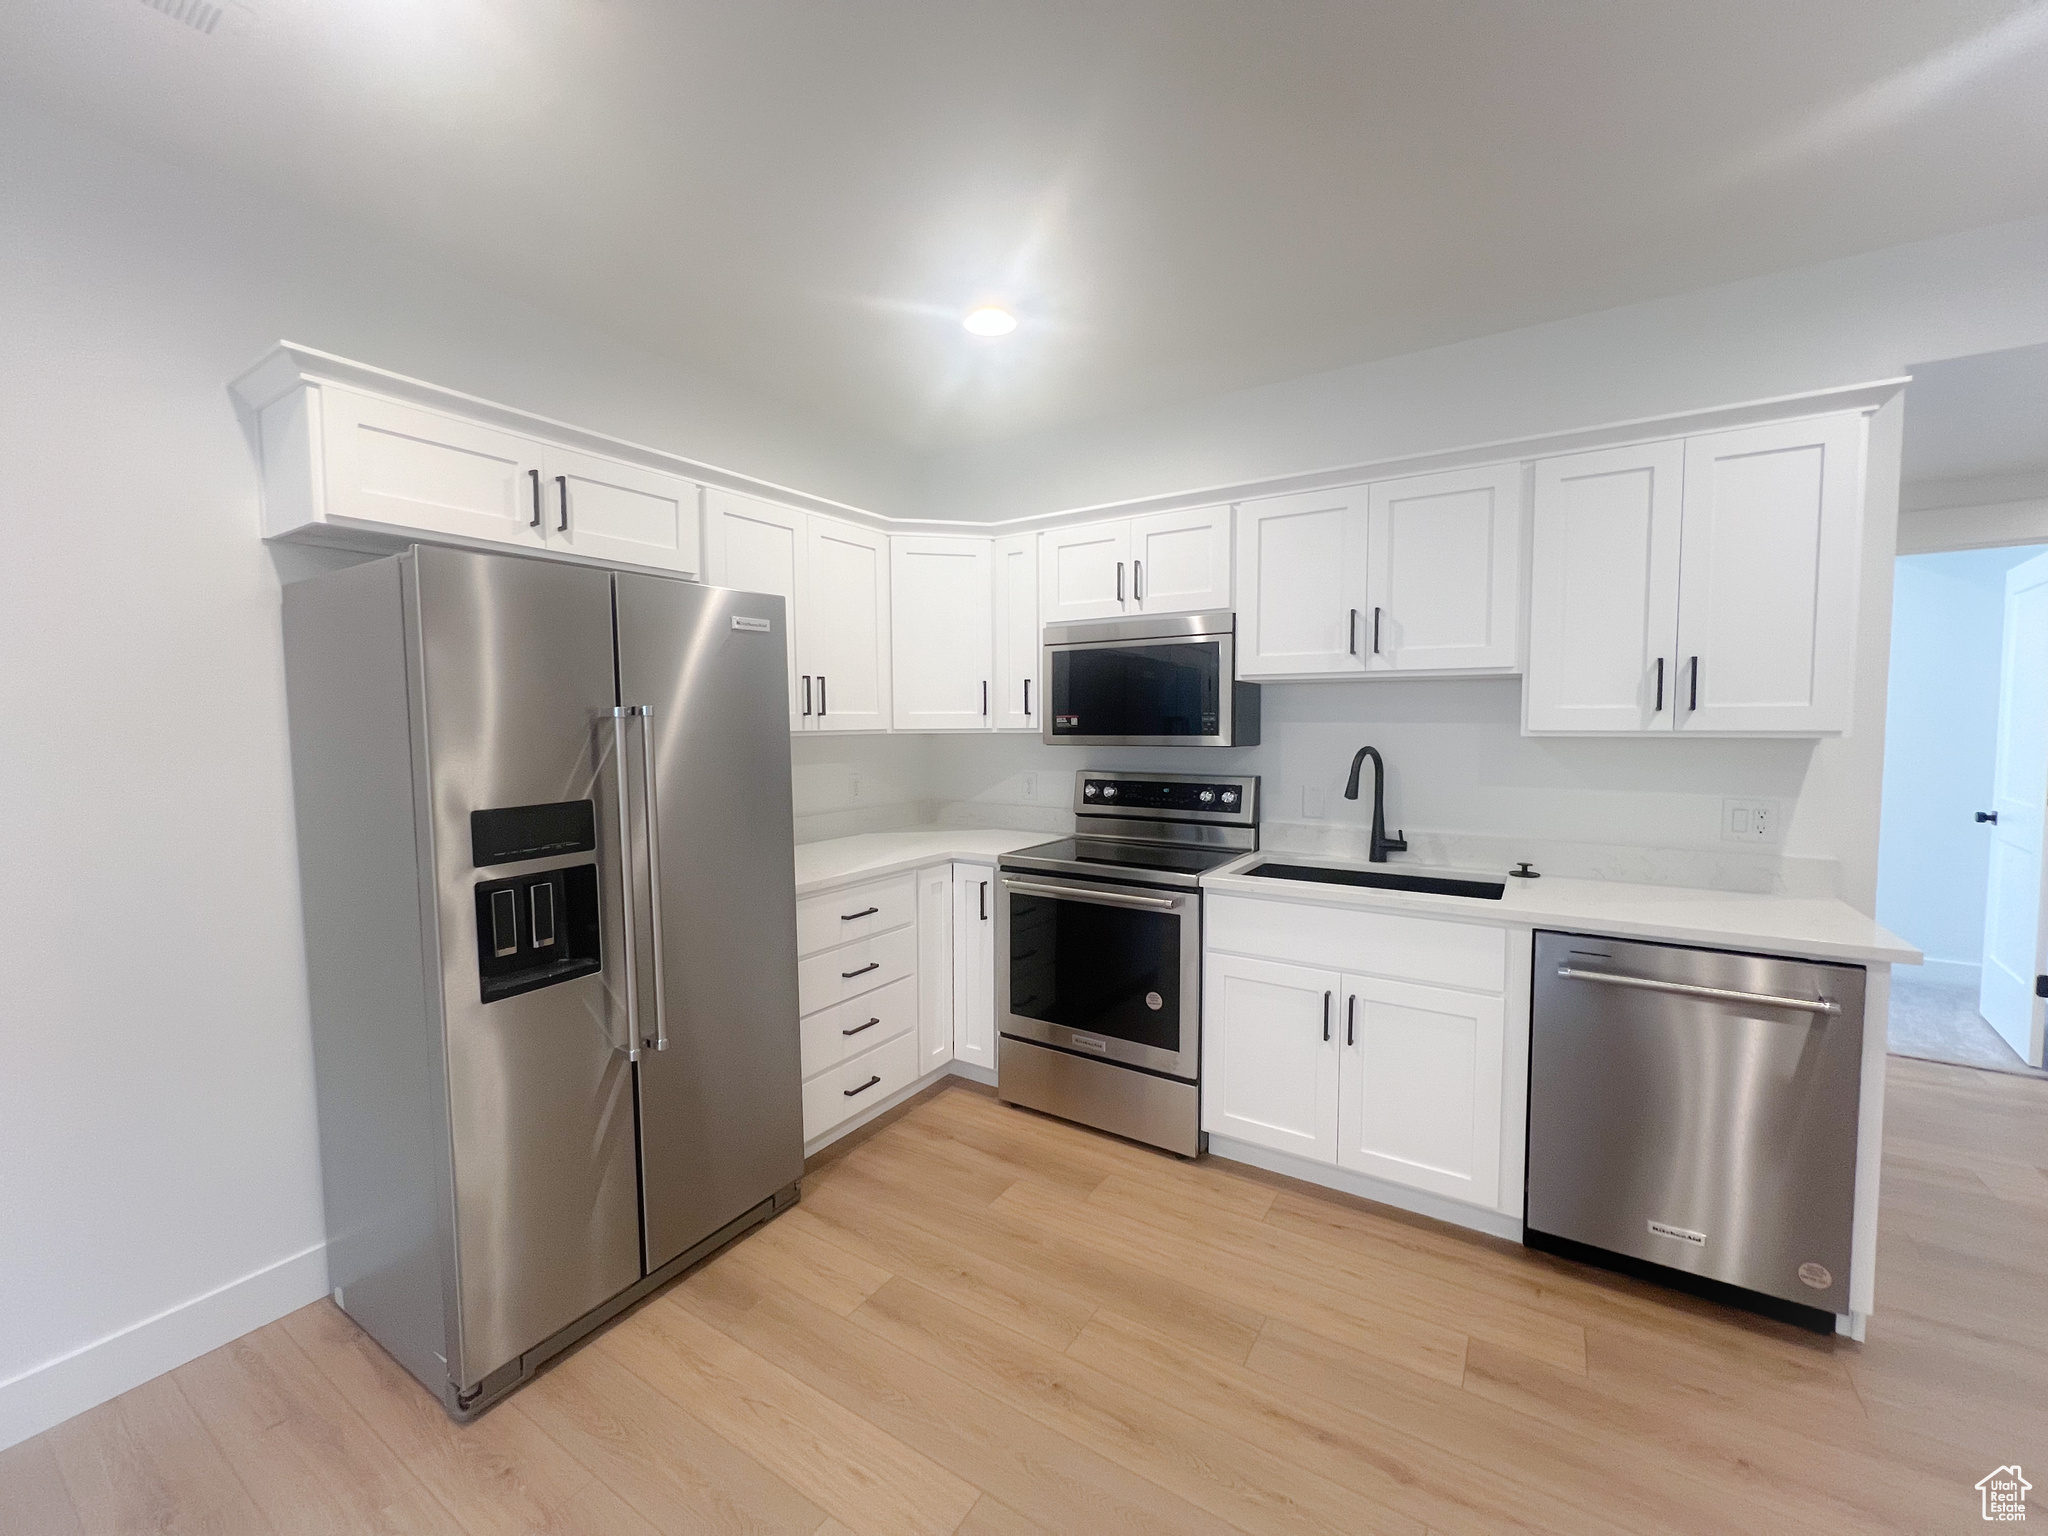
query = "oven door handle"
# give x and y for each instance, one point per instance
(1101, 898)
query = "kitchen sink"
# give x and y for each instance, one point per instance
(1385, 879)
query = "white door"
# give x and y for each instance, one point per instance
(1084, 572)
(845, 639)
(2014, 948)
(1018, 689)
(934, 967)
(1767, 576)
(1603, 590)
(1180, 561)
(1270, 1055)
(416, 469)
(611, 510)
(1301, 587)
(974, 964)
(757, 546)
(942, 633)
(1420, 1103)
(1444, 571)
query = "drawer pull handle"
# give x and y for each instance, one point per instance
(871, 1023)
(872, 965)
(864, 1087)
(847, 917)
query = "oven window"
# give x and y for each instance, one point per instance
(1111, 971)
(1137, 690)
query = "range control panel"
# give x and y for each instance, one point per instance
(1169, 796)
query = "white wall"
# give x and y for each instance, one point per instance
(156, 1116)
(1940, 734)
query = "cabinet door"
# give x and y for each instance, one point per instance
(1767, 576)
(1084, 572)
(1420, 1103)
(611, 510)
(1444, 572)
(410, 468)
(756, 546)
(1270, 1055)
(1180, 561)
(943, 633)
(1018, 690)
(845, 639)
(1301, 590)
(974, 964)
(1603, 590)
(934, 967)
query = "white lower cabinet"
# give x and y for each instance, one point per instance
(858, 976)
(1385, 1075)
(934, 894)
(839, 1093)
(974, 964)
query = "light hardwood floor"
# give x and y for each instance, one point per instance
(984, 1321)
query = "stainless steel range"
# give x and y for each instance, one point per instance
(1099, 953)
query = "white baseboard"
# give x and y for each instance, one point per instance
(50, 1393)
(967, 1069)
(1366, 1187)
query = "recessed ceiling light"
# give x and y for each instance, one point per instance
(989, 320)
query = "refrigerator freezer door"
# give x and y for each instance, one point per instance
(721, 1107)
(514, 672)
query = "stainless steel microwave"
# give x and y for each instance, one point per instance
(1158, 680)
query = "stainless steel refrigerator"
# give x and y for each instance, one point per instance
(544, 839)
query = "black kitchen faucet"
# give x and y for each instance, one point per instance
(1382, 845)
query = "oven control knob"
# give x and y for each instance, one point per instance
(1109, 791)
(1230, 797)
(1207, 795)
(1090, 791)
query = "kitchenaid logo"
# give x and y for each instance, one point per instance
(2005, 1495)
(1683, 1234)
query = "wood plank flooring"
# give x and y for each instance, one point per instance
(984, 1321)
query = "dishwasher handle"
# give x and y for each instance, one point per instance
(1825, 1005)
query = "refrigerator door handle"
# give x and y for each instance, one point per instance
(629, 942)
(653, 871)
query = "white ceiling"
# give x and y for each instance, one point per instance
(1980, 417)
(1178, 196)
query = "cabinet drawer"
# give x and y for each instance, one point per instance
(837, 974)
(859, 1024)
(839, 917)
(839, 1093)
(1472, 956)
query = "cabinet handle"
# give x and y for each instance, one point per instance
(984, 699)
(1351, 635)
(1660, 687)
(821, 695)
(1326, 1016)
(1027, 698)
(1137, 581)
(847, 917)
(534, 521)
(807, 693)
(1119, 581)
(981, 901)
(562, 485)
(1375, 631)
(872, 965)
(1693, 706)
(1351, 1019)
(1990, 816)
(871, 1023)
(864, 1087)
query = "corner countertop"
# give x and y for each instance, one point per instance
(1820, 928)
(844, 860)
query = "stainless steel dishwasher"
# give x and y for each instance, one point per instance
(1692, 1116)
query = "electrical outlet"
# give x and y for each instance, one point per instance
(1759, 823)
(1030, 786)
(1312, 801)
(856, 786)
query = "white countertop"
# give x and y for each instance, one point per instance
(1817, 928)
(843, 860)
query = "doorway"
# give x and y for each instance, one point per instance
(1961, 856)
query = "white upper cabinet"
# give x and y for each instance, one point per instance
(1700, 586)
(943, 637)
(1164, 562)
(843, 643)
(1444, 572)
(757, 546)
(1767, 576)
(1603, 589)
(1084, 572)
(611, 510)
(1180, 561)
(1301, 583)
(1018, 691)
(404, 466)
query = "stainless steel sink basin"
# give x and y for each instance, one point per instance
(1446, 883)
